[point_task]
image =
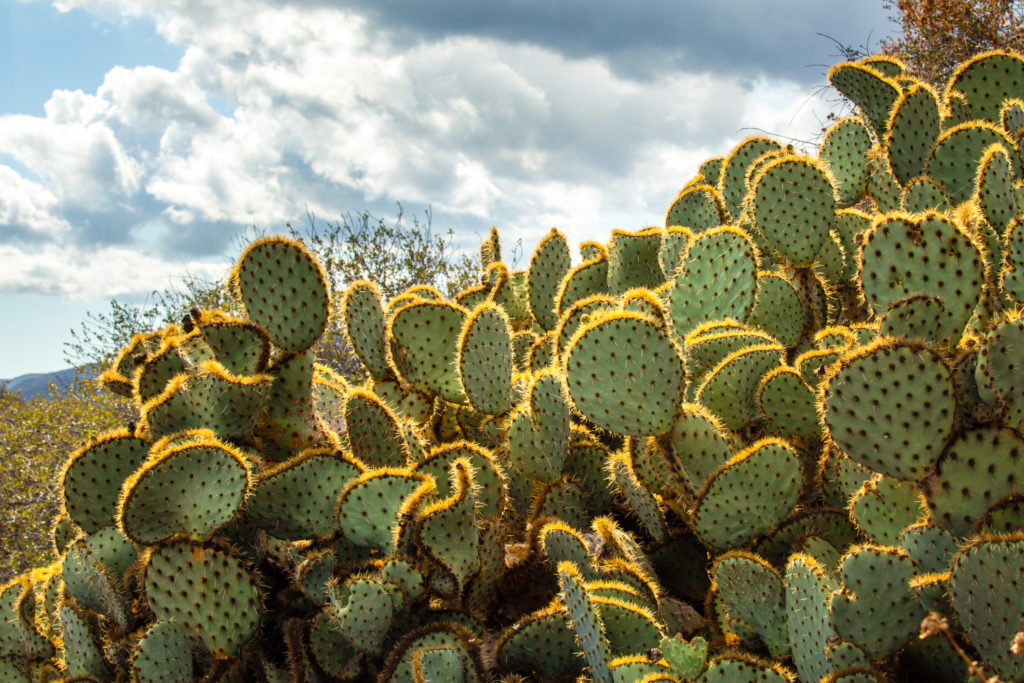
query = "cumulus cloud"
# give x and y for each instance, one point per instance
(590, 122)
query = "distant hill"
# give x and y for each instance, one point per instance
(33, 384)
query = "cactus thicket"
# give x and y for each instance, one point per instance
(779, 438)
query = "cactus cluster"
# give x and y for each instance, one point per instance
(767, 441)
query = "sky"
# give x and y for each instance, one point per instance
(140, 138)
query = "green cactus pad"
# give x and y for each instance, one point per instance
(541, 642)
(163, 654)
(83, 655)
(542, 353)
(629, 627)
(94, 474)
(1000, 368)
(978, 468)
(932, 547)
(924, 194)
(752, 590)
(686, 659)
(954, 159)
(487, 472)
(330, 650)
(210, 398)
(831, 261)
(987, 595)
(243, 348)
(730, 389)
(698, 442)
(364, 610)
(832, 525)
(986, 80)
(19, 635)
(118, 377)
(365, 327)
(743, 668)
(1004, 516)
(1013, 272)
(884, 507)
(876, 608)
(485, 359)
(674, 241)
(313, 572)
(447, 530)
(578, 314)
(563, 499)
(288, 423)
(698, 207)
(373, 431)
(206, 590)
(638, 497)
(821, 550)
(329, 401)
(633, 260)
(586, 622)
(284, 290)
(192, 488)
(788, 402)
(845, 150)
(731, 508)
(913, 127)
(808, 587)
(841, 477)
(427, 335)
(625, 374)
(562, 543)
(157, 370)
(910, 390)
(584, 463)
(919, 316)
(882, 184)
(548, 266)
(585, 280)
(705, 351)
(93, 569)
(295, 499)
(733, 181)
(1011, 115)
(373, 507)
(717, 279)
(793, 205)
(872, 92)
(777, 309)
(399, 665)
(996, 196)
(539, 431)
(439, 664)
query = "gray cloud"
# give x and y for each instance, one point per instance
(644, 39)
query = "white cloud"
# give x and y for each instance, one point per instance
(328, 115)
(101, 273)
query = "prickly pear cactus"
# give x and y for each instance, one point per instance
(779, 438)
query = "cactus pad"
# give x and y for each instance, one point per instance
(911, 396)
(731, 509)
(206, 590)
(284, 290)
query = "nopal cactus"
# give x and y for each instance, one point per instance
(765, 441)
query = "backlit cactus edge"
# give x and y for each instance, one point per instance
(764, 442)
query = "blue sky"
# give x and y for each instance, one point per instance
(139, 138)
